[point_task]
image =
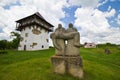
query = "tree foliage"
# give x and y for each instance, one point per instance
(4, 44)
(16, 40)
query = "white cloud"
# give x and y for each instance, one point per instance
(110, 13)
(84, 3)
(87, 17)
(3, 36)
(7, 2)
(95, 27)
(109, 8)
(50, 10)
(93, 23)
(118, 19)
(102, 3)
(8, 17)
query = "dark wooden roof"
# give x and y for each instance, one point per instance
(35, 14)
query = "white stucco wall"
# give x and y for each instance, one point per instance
(34, 38)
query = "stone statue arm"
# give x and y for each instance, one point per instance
(53, 37)
(77, 39)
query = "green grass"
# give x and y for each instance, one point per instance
(36, 65)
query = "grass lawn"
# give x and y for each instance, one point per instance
(36, 65)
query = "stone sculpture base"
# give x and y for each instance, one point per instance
(69, 64)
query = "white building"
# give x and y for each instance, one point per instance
(90, 45)
(34, 32)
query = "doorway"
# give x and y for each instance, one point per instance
(24, 47)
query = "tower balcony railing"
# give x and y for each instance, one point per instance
(20, 26)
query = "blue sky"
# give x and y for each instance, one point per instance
(114, 4)
(97, 21)
(69, 18)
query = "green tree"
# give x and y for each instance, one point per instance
(16, 39)
(3, 44)
(9, 45)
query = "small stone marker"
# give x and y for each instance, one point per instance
(67, 57)
(107, 51)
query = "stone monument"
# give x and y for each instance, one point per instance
(67, 55)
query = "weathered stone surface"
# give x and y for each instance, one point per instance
(58, 43)
(67, 58)
(58, 64)
(72, 65)
(76, 71)
(75, 67)
(71, 36)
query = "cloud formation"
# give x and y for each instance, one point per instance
(118, 19)
(84, 3)
(50, 10)
(92, 23)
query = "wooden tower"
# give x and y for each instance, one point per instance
(34, 32)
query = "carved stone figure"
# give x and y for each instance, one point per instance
(58, 42)
(67, 58)
(73, 44)
(71, 36)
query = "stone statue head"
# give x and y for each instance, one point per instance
(59, 26)
(70, 25)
